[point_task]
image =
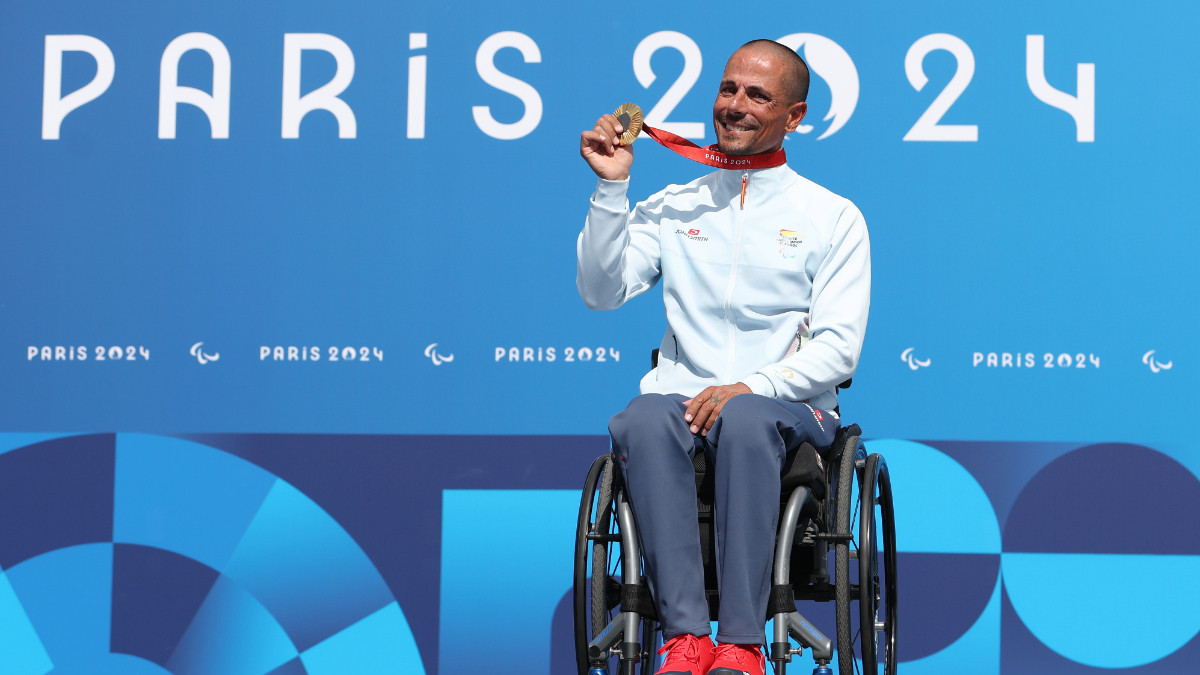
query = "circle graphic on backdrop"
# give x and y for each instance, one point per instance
(1082, 538)
(178, 556)
(948, 542)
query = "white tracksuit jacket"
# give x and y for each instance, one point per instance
(740, 282)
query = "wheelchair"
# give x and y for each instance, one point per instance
(839, 497)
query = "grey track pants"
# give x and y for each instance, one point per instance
(747, 446)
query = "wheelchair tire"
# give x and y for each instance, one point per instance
(877, 520)
(597, 587)
(843, 501)
(865, 521)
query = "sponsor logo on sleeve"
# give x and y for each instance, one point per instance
(693, 234)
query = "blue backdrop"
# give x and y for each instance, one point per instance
(296, 378)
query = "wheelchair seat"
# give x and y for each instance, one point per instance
(616, 627)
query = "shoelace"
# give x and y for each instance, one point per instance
(743, 656)
(684, 648)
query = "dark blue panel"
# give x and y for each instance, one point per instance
(941, 597)
(1002, 469)
(1107, 498)
(155, 596)
(562, 637)
(54, 494)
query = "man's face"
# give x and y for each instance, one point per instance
(752, 112)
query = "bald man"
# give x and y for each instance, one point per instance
(766, 285)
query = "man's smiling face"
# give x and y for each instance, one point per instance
(753, 113)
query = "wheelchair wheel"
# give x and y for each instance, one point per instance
(878, 529)
(598, 571)
(870, 525)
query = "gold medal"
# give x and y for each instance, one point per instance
(630, 117)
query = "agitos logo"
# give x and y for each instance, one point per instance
(438, 359)
(203, 357)
(1156, 366)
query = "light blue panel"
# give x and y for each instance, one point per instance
(506, 562)
(940, 507)
(184, 497)
(67, 595)
(21, 651)
(299, 562)
(14, 441)
(113, 664)
(232, 634)
(977, 652)
(1186, 453)
(381, 644)
(1064, 616)
(254, 240)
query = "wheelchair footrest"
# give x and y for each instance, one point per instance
(807, 635)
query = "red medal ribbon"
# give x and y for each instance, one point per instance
(711, 155)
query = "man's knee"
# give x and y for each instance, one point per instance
(747, 411)
(648, 411)
(750, 423)
(651, 423)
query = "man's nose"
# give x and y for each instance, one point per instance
(737, 104)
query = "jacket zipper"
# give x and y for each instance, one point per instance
(733, 268)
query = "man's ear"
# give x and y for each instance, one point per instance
(796, 115)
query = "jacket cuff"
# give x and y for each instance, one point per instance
(611, 193)
(760, 384)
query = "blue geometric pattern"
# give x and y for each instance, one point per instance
(233, 633)
(205, 564)
(380, 644)
(67, 595)
(948, 542)
(134, 553)
(184, 497)
(953, 516)
(1092, 544)
(156, 594)
(20, 649)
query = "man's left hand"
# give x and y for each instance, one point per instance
(703, 410)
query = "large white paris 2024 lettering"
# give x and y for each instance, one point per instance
(215, 104)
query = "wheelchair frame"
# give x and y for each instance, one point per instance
(614, 616)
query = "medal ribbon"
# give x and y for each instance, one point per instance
(711, 156)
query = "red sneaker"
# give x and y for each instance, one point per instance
(689, 655)
(730, 659)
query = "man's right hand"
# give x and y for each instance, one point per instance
(601, 147)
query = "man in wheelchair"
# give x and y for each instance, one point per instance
(766, 285)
